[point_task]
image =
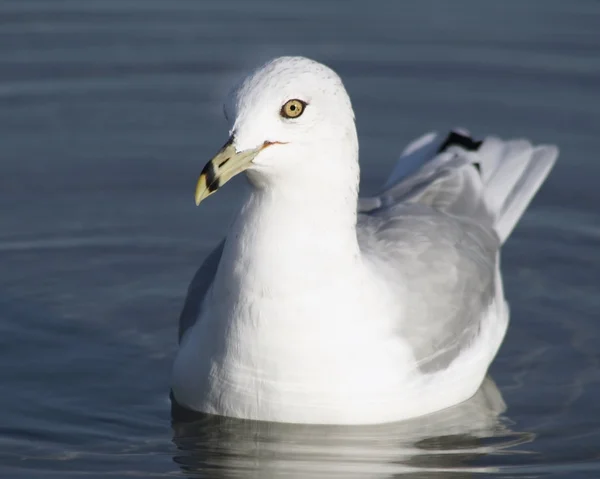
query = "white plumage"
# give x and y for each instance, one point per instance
(323, 308)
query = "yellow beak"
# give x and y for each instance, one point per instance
(225, 165)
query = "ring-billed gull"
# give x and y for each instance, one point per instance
(320, 307)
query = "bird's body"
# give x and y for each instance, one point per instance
(320, 308)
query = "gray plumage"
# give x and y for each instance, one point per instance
(437, 227)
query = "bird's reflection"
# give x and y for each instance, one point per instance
(445, 444)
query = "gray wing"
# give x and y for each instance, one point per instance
(432, 232)
(198, 288)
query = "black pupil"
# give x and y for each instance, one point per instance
(292, 107)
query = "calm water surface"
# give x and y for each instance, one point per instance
(108, 111)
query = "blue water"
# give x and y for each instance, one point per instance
(108, 111)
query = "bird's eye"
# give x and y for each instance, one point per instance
(292, 109)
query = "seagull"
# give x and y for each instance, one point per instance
(320, 307)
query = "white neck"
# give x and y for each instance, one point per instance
(291, 282)
(294, 234)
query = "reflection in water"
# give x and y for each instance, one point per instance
(439, 445)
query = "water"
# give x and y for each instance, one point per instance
(108, 111)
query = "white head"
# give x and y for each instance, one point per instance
(291, 123)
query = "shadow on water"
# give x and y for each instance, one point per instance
(444, 444)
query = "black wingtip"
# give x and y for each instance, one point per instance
(465, 141)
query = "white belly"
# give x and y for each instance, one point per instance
(321, 372)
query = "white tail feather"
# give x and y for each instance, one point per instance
(517, 193)
(511, 172)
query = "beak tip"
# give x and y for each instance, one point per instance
(201, 190)
(227, 163)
